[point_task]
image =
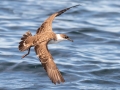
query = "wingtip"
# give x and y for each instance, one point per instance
(76, 5)
(62, 11)
(58, 82)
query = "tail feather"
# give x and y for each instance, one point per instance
(24, 44)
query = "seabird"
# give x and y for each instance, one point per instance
(40, 40)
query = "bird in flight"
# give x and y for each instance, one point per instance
(40, 40)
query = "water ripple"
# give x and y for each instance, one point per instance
(90, 62)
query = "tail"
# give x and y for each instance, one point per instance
(25, 42)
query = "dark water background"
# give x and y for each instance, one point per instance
(92, 61)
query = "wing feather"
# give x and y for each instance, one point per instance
(47, 25)
(48, 63)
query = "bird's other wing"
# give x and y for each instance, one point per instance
(47, 24)
(48, 63)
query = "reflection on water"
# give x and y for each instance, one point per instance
(92, 61)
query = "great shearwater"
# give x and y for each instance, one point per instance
(40, 40)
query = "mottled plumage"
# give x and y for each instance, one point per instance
(43, 37)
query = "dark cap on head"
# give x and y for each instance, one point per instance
(66, 37)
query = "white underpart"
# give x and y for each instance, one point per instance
(59, 39)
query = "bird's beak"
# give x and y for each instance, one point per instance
(70, 39)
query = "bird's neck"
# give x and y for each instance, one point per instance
(58, 39)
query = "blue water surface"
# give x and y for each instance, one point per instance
(92, 61)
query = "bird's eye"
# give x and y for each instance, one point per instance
(66, 37)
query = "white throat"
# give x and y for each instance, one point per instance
(59, 39)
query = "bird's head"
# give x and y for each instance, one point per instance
(65, 37)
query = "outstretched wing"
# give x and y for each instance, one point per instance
(48, 63)
(47, 25)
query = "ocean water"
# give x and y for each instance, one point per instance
(92, 61)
